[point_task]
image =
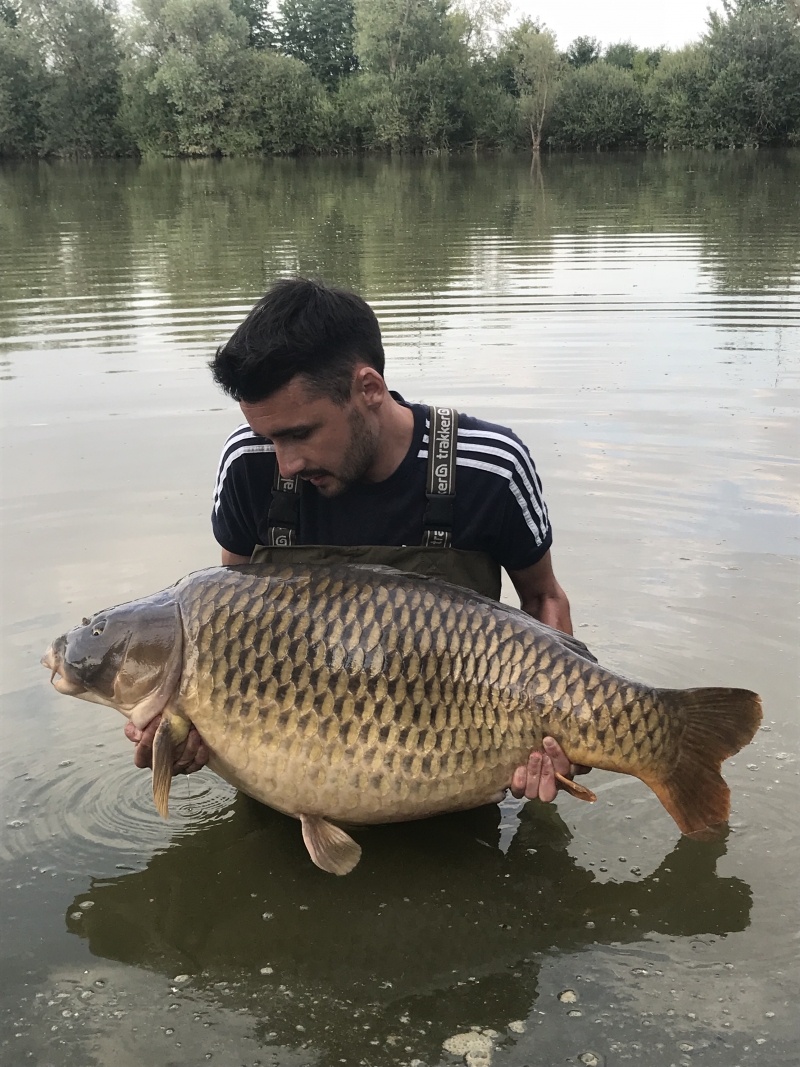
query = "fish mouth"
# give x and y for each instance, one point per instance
(53, 659)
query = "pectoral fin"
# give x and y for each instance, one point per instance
(580, 792)
(329, 846)
(171, 732)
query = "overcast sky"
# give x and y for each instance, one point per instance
(645, 22)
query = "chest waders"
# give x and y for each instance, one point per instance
(435, 557)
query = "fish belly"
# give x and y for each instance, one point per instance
(360, 784)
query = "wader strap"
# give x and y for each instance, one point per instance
(437, 522)
(284, 511)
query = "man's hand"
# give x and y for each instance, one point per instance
(189, 757)
(537, 778)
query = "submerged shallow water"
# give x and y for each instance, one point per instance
(635, 320)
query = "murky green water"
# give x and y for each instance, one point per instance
(635, 319)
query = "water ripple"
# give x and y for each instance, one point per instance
(82, 811)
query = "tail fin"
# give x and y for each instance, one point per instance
(716, 723)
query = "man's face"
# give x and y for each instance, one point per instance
(328, 444)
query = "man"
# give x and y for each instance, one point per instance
(329, 457)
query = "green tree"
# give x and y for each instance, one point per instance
(622, 55)
(536, 65)
(413, 91)
(256, 13)
(283, 105)
(739, 86)
(23, 86)
(493, 111)
(597, 106)
(583, 51)
(320, 33)
(678, 115)
(79, 44)
(186, 78)
(754, 52)
(420, 108)
(391, 34)
(483, 24)
(195, 86)
(643, 62)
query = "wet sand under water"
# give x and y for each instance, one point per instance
(635, 320)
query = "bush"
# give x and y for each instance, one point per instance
(597, 106)
(740, 86)
(754, 53)
(421, 108)
(677, 100)
(283, 105)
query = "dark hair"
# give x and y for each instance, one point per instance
(303, 327)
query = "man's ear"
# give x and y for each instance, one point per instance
(368, 383)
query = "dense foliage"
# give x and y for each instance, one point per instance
(246, 77)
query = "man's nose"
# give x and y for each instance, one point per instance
(290, 461)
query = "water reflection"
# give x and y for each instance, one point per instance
(435, 920)
(106, 250)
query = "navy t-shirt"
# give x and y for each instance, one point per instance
(499, 508)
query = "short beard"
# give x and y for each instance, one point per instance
(358, 458)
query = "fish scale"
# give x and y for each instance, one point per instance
(419, 670)
(364, 695)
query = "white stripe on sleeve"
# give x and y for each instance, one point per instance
(264, 446)
(503, 472)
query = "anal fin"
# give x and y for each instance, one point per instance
(329, 846)
(172, 730)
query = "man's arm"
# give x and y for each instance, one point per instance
(230, 559)
(542, 597)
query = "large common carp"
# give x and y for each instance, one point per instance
(365, 695)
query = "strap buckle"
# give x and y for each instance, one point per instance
(284, 511)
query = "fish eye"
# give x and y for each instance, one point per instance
(98, 627)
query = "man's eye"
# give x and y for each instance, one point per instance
(300, 435)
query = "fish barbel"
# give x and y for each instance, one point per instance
(365, 695)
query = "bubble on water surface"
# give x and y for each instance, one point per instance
(476, 1048)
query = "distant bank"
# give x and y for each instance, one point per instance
(235, 78)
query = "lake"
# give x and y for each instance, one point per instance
(635, 319)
